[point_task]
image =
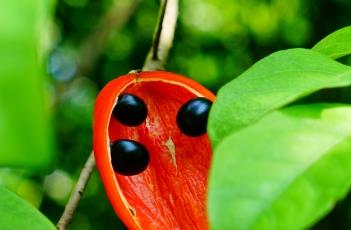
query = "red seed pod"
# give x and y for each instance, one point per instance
(153, 164)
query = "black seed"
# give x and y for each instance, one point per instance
(192, 116)
(129, 157)
(130, 110)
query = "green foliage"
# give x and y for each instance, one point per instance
(215, 41)
(336, 44)
(271, 83)
(25, 129)
(25, 133)
(280, 169)
(18, 214)
(283, 172)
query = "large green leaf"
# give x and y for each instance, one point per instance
(284, 172)
(336, 44)
(18, 214)
(24, 120)
(271, 83)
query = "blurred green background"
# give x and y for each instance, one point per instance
(56, 55)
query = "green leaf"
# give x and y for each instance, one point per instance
(25, 134)
(18, 214)
(271, 83)
(284, 172)
(336, 44)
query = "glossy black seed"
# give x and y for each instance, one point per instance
(192, 116)
(130, 110)
(129, 157)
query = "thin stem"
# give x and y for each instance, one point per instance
(163, 36)
(156, 58)
(91, 49)
(77, 193)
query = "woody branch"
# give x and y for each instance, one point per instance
(156, 58)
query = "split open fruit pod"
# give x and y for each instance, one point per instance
(152, 150)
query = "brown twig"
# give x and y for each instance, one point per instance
(91, 49)
(163, 36)
(77, 193)
(156, 58)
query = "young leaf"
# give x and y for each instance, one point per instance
(271, 83)
(18, 214)
(284, 172)
(24, 120)
(336, 44)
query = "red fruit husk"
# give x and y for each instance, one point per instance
(171, 192)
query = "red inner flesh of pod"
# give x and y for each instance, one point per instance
(171, 192)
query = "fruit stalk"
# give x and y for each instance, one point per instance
(163, 36)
